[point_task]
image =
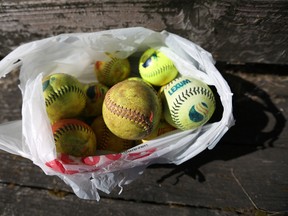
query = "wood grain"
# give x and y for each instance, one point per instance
(27, 201)
(233, 31)
(246, 173)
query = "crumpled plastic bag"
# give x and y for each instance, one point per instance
(75, 54)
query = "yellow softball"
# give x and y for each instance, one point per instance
(156, 68)
(131, 109)
(112, 71)
(74, 137)
(106, 140)
(64, 96)
(95, 93)
(187, 103)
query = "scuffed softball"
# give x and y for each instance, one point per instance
(74, 137)
(64, 96)
(112, 71)
(131, 109)
(95, 93)
(106, 140)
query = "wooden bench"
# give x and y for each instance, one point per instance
(245, 174)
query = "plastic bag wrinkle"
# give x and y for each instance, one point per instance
(75, 54)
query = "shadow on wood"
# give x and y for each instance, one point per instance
(259, 123)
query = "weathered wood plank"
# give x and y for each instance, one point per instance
(10, 97)
(233, 31)
(15, 200)
(212, 180)
(259, 107)
(249, 159)
(246, 172)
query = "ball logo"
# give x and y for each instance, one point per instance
(198, 112)
(48, 82)
(148, 62)
(94, 93)
(45, 84)
(178, 86)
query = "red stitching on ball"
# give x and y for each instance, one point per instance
(132, 115)
(103, 142)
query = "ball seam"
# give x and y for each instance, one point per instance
(104, 139)
(185, 95)
(132, 115)
(160, 70)
(70, 127)
(51, 98)
(108, 68)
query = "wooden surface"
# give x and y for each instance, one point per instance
(233, 31)
(245, 174)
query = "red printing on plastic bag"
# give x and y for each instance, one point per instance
(94, 163)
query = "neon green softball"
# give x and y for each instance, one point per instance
(156, 68)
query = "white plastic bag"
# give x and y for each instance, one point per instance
(75, 54)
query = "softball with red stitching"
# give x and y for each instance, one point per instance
(64, 96)
(131, 109)
(106, 140)
(188, 103)
(156, 68)
(74, 137)
(112, 70)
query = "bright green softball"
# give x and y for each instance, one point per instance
(156, 68)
